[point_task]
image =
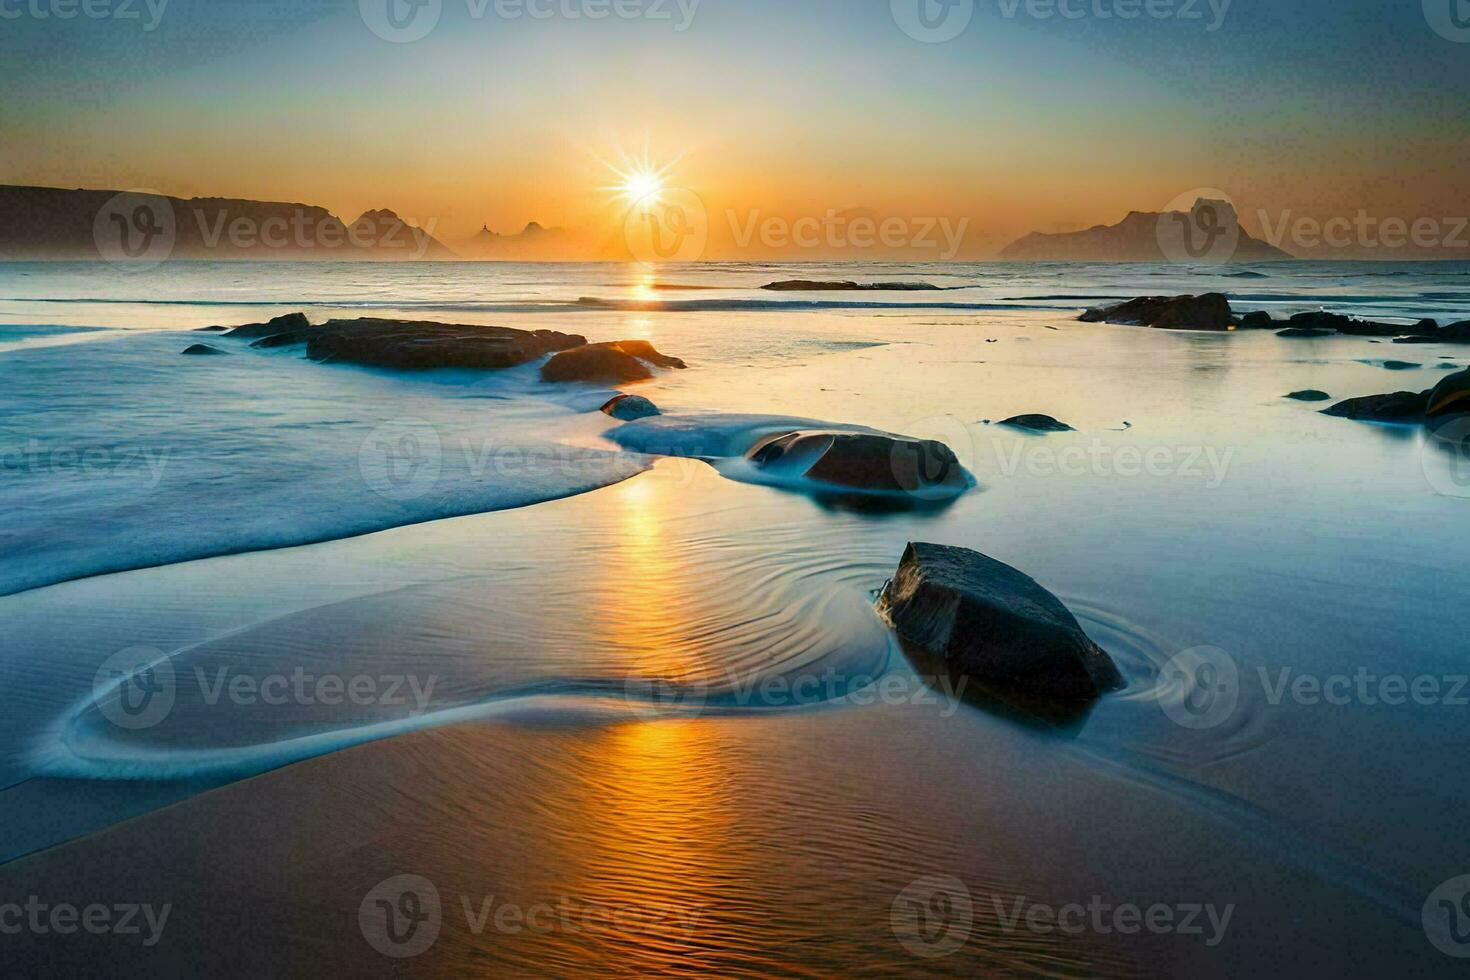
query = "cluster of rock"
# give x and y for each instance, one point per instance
(1450, 399)
(420, 345)
(845, 285)
(1212, 311)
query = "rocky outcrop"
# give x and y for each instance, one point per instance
(995, 624)
(618, 362)
(864, 461)
(1455, 333)
(201, 350)
(1399, 406)
(1320, 320)
(629, 408)
(411, 345)
(1208, 312)
(1259, 320)
(813, 286)
(1037, 423)
(1309, 395)
(1137, 238)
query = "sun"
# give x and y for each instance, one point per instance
(642, 184)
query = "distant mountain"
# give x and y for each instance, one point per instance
(54, 223)
(1209, 232)
(532, 242)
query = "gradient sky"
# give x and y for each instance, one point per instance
(788, 107)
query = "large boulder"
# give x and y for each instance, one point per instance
(1399, 406)
(1208, 312)
(867, 461)
(412, 345)
(618, 362)
(994, 624)
(1450, 399)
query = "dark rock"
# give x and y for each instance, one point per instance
(290, 323)
(1208, 312)
(630, 407)
(1305, 332)
(817, 286)
(414, 345)
(1400, 406)
(201, 350)
(1402, 365)
(1037, 423)
(865, 461)
(1259, 320)
(1455, 333)
(618, 362)
(212, 329)
(1353, 327)
(1450, 399)
(995, 624)
(1310, 395)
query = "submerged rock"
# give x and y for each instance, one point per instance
(1037, 423)
(201, 350)
(630, 407)
(995, 624)
(875, 462)
(846, 285)
(1401, 365)
(1305, 332)
(617, 362)
(213, 329)
(1208, 312)
(1310, 395)
(1399, 406)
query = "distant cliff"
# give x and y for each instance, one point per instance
(53, 223)
(1209, 232)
